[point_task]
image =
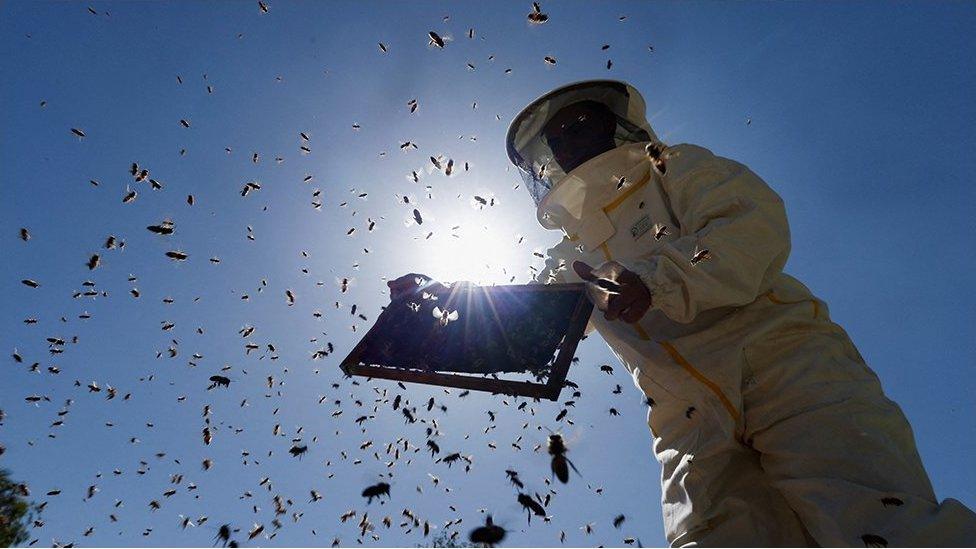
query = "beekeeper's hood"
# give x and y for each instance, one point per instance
(529, 150)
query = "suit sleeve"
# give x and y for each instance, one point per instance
(726, 209)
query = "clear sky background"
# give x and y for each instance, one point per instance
(862, 119)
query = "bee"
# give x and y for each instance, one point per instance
(621, 181)
(487, 535)
(223, 534)
(444, 317)
(250, 186)
(607, 368)
(531, 505)
(700, 254)
(514, 479)
(382, 47)
(30, 283)
(536, 17)
(111, 243)
(189, 199)
(177, 255)
(129, 196)
(376, 491)
(618, 520)
(435, 40)
(290, 297)
(185, 123)
(255, 531)
(219, 381)
(93, 262)
(78, 132)
(660, 231)
(560, 463)
(550, 60)
(262, 6)
(298, 451)
(24, 234)
(165, 227)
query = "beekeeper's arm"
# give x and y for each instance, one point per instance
(725, 208)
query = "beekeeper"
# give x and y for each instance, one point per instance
(769, 426)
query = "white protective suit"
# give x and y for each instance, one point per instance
(770, 428)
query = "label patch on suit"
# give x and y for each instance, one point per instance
(640, 227)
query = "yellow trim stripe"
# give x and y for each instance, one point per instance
(681, 360)
(700, 377)
(641, 332)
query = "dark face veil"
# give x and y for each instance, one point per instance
(544, 156)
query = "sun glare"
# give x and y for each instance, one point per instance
(477, 255)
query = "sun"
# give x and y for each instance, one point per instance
(477, 254)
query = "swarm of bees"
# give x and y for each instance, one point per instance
(189, 345)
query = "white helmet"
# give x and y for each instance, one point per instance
(529, 150)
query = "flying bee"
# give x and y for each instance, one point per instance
(129, 196)
(417, 217)
(660, 231)
(618, 520)
(536, 17)
(262, 6)
(30, 283)
(298, 451)
(376, 491)
(219, 381)
(514, 479)
(78, 132)
(560, 463)
(24, 234)
(444, 317)
(93, 262)
(255, 531)
(435, 40)
(177, 255)
(185, 123)
(531, 505)
(487, 535)
(701, 254)
(621, 181)
(290, 297)
(550, 60)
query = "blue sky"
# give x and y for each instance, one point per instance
(862, 120)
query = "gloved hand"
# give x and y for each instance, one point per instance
(408, 284)
(615, 290)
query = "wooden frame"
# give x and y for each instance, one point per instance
(549, 390)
